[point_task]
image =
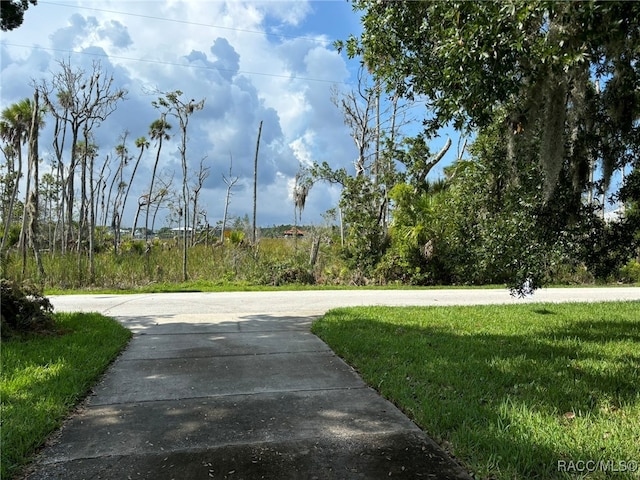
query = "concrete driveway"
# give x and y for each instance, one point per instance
(234, 385)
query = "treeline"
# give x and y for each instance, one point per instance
(545, 94)
(81, 199)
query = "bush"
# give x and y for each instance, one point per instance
(13, 235)
(283, 273)
(630, 273)
(23, 309)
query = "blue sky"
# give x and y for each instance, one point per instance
(252, 61)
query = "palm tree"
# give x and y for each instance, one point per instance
(157, 131)
(142, 143)
(15, 122)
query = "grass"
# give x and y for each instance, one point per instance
(215, 286)
(514, 392)
(44, 377)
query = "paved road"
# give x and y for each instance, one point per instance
(315, 302)
(233, 385)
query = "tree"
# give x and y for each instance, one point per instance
(375, 126)
(255, 186)
(32, 202)
(172, 104)
(80, 102)
(142, 143)
(123, 158)
(523, 63)
(203, 174)
(158, 131)
(13, 13)
(49, 198)
(229, 181)
(15, 122)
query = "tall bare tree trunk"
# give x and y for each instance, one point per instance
(23, 240)
(203, 174)
(12, 200)
(92, 221)
(255, 185)
(231, 181)
(33, 200)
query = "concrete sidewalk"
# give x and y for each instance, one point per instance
(239, 397)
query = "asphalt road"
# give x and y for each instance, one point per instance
(315, 302)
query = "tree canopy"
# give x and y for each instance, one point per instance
(567, 72)
(13, 13)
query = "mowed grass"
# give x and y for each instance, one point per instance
(43, 377)
(535, 391)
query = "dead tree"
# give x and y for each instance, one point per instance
(230, 181)
(172, 105)
(203, 174)
(79, 102)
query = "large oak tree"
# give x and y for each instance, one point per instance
(13, 13)
(566, 71)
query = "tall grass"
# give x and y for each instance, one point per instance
(270, 262)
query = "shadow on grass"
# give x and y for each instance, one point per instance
(510, 405)
(44, 376)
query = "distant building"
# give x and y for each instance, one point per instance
(292, 232)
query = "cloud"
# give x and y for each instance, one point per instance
(69, 37)
(218, 51)
(227, 60)
(116, 33)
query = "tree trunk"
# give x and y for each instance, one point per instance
(315, 247)
(126, 195)
(92, 222)
(255, 184)
(33, 202)
(22, 242)
(12, 201)
(135, 218)
(231, 181)
(153, 176)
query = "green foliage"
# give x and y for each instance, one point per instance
(285, 273)
(134, 247)
(13, 234)
(630, 273)
(419, 232)
(236, 237)
(13, 13)
(489, 223)
(23, 309)
(273, 261)
(529, 63)
(363, 209)
(606, 248)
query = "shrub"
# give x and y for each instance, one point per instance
(284, 273)
(630, 273)
(23, 309)
(13, 235)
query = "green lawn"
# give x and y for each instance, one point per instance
(43, 377)
(538, 391)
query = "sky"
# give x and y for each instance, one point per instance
(269, 61)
